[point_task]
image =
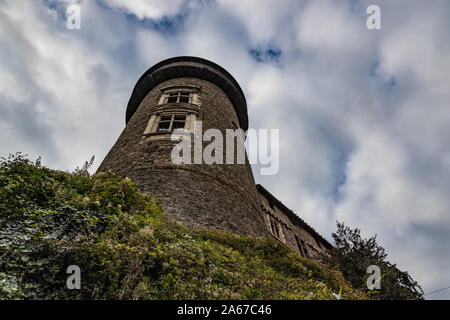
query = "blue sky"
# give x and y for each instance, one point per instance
(364, 116)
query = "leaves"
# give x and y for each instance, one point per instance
(352, 255)
(126, 248)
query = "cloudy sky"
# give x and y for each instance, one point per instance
(364, 115)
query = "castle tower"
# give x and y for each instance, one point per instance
(174, 94)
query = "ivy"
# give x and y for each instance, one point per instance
(127, 249)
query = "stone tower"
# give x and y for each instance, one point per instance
(173, 94)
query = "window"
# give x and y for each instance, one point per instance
(164, 123)
(305, 249)
(273, 228)
(178, 97)
(301, 247)
(178, 108)
(168, 123)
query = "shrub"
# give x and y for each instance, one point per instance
(126, 248)
(352, 255)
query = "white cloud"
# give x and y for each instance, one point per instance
(327, 25)
(363, 115)
(263, 22)
(154, 9)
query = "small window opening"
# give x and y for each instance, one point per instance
(274, 228)
(178, 97)
(305, 249)
(301, 247)
(168, 123)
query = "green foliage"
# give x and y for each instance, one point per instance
(84, 170)
(126, 248)
(353, 254)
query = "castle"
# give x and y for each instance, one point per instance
(173, 94)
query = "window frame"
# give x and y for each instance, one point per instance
(186, 104)
(171, 122)
(178, 95)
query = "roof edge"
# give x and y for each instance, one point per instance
(189, 66)
(291, 214)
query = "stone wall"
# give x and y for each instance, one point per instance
(289, 228)
(220, 195)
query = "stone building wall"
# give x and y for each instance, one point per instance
(289, 228)
(218, 195)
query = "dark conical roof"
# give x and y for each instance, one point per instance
(185, 66)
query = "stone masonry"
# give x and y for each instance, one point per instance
(173, 94)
